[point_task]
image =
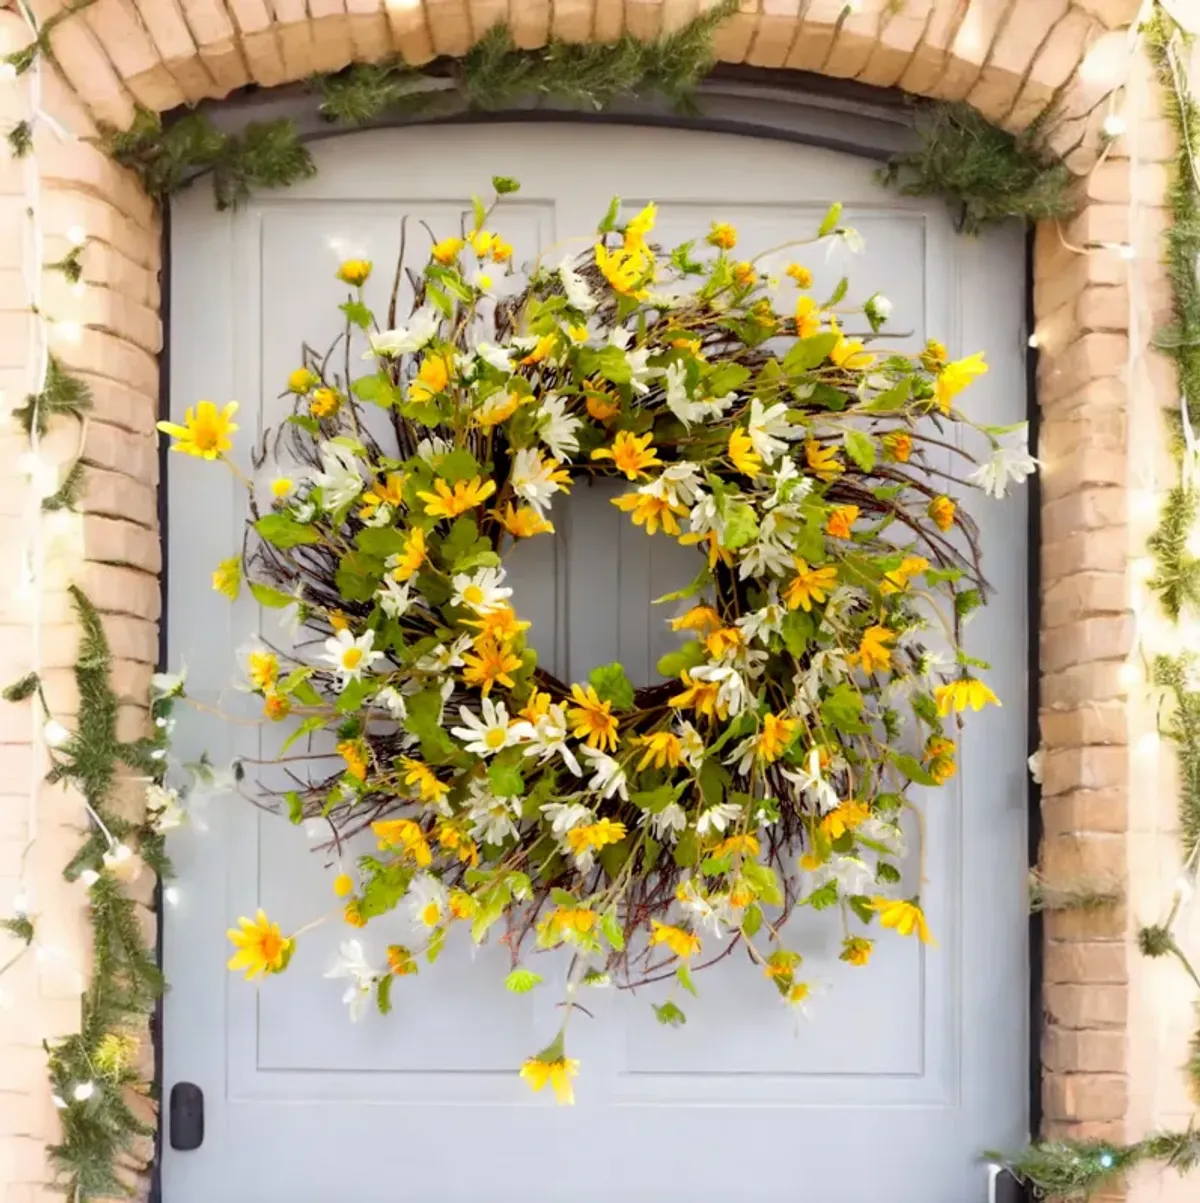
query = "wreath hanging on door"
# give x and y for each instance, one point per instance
(650, 830)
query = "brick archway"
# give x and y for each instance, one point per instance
(1110, 1061)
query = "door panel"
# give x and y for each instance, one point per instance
(922, 1054)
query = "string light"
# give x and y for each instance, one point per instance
(89, 877)
(54, 733)
(1114, 125)
(84, 1091)
(171, 895)
(21, 904)
(77, 236)
(1034, 341)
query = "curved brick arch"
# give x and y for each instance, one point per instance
(1110, 1057)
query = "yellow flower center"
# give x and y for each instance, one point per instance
(495, 738)
(351, 657)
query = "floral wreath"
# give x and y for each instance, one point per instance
(649, 830)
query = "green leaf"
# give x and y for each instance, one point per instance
(684, 974)
(506, 780)
(358, 576)
(611, 929)
(456, 465)
(313, 723)
(295, 805)
(741, 526)
(504, 184)
(912, 769)
(613, 365)
(281, 530)
(764, 879)
(351, 698)
(809, 353)
(860, 904)
(860, 448)
(831, 219)
(713, 781)
(381, 541)
(460, 541)
(842, 707)
(608, 222)
(727, 378)
(887, 402)
(478, 211)
(377, 389)
(686, 852)
(612, 685)
(357, 314)
(887, 873)
(521, 981)
(383, 994)
(797, 631)
(691, 655)
(21, 689)
(266, 596)
(654, 801)
(612, 858)
(752, 920)
(669, 1014)
(823, 898)
(838, 293)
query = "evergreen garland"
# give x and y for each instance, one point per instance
(21, 60)
(985, 174)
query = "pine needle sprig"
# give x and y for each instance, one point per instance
(267, 154)
(62, 395)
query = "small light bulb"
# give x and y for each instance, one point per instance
(77, 235)
(1128, 675)
(8, 71)
(89, 877)
(78, 288)
(70, 332)
(1190, 631)
(84, 1091)
(121, 853)
(59, 1101)
(21, 903)
(1184, 888)
(1114, 125)
(1126, 250)
(54, 733)
(1145, 503)
(1193, 542)
(1106, 1161)
(1147, 743)
(171, 895)
(1142, 568)
(1034, 341)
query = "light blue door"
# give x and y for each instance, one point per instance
(898, 1075)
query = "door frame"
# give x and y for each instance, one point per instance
(772, 104)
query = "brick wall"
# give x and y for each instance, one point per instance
(1116, 1025)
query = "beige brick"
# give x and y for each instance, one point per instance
(263, 57)
(1061, 478)
(112, 495)
(1088, 639)
(1070, 597)
(897, 41)
(113, 541)
(1085, 1096)
(1055, 62)
(1088, 725)
(119, 451)
(1012, 54)
(929, 60)
(1083, 683)
(164, 22)
(1111, 13)
(1090, 357)
(117, 28)
(1098, 923)
(1085, 963)
(1065, 1051)
(971, 48)
(117, 405)
(1086, 810)
(410, 33)
(778, 29)
(1093, 767)
(572, 20)
(530, 24)
(643, 18)
(84, 63)
(1087, 509)
(1074, 1006)
(449, 26)
(332, 45)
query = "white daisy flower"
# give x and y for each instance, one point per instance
(640, 371)
(392, 700)
(769, 429)
(694, 747)
(339, 482)
(678, 484)
(717, 818)
(427, 900)
(494, 356)
(531, 478)
(1009, 462)
(550, 739)
(556, 427)
(492, 731)
(351, 966)
(763, 558)
(168, 685)
(732, 693)
(493, 820)
(422, 326)
(163, 808)
(761, 624)
(668, 823)
(433, 448)
(351, 657)
(442, 658)
(575, 286)
(394, 599)
(565, 815)
(814, 785)
(480, 590)
(608, 778)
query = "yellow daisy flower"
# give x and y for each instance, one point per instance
(594, 721)
(412, 557)
(822, 462)
(741, 452)
(261, 947)
(205, 431)
(651, 512)
(557, 1072)
(490, 663)
(684, 944)
(966, 691)
(523, 523)
(941, 510)
(631, 454)
(809, 585)
(445, 502)
(227, 579)
(903, 917)
(354, 272)
(873, 652)
(955, 377)
(663, 748)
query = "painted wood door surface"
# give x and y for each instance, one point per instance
(898, 1075)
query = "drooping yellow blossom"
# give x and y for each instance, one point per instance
(896, 580)
(491, 663)
(500, 624)
(663, 748)
(822, 462)
(700, 619)
(939, 756)
(934, 356)
(354, 753)
(405, 835)
(651, 512)
(352, 913)
(423, 777)
(536, 707)
(445, 502)
(324, 402)
(432, 378)
(846, 816)
(578, 919)
(941, 510)
(809, 585)
(640, 225)
(481, 242)
(499, 407)
(710, 540)
(903, 917)
(742, 454)
(446, 251)
(808, 317)
(227, 578)
(800, 274)
(700, 696)
(343, 885)
(745, 844)
(558, 1073)
(873, 652)
(262, 668)
(523, 523)
(781, 965)
(454, 839)
(774, 736)
(840, 521)
(462, 905)
(591, 837)
(388, 490)
(412, 557)
(724, 640)
(625, 270)
(631, 454)
(683, 944)
(301, 380)
(401, 961)
(593, 720)
(354, 272)
(955, 377)
(541, 350)
(848, 353)
(744, 274)
(261, 947)
(602, 405)
(897, 446)
(276, 706)
(205, 431)
(501, 250)
(966, 691)
(722, 235)
(856, 950)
